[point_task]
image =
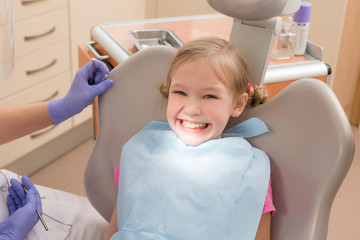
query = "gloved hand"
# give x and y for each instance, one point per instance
(22, 208)
(81, 93)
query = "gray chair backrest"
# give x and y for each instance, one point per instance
(310, 142)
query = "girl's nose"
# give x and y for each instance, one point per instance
(192, 108)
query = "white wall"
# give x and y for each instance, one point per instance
(326, 27)
(172, 8)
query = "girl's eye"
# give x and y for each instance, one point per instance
(210, 96)
(180, 93)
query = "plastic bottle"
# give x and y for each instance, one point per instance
(301, 28)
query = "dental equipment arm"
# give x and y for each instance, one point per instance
(22, 209)
(255, 24)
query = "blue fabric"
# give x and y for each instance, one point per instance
(168, 190)
(250, 128)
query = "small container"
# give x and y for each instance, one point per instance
(282, 47)
(301, 28)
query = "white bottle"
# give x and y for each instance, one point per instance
(301, 28)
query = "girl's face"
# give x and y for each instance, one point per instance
(200, 103)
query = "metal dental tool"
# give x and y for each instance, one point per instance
(37, 212)
(91, 80)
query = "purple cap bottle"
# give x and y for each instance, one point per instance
(301, 28)
(303, 14)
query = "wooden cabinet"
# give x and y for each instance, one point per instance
(41, 68)
(38, 66)
(46, 35)
(24, 9)
(41, 31)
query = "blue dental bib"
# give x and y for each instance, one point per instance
(169, 190)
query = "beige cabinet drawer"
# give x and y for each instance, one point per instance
(53, 88)
(41, 31)
(28, 8)
(36, 67)
(18, 148)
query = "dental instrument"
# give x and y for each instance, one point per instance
(37, 211)
(91, 80)
(60, 109)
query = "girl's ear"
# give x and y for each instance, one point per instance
(240, 105)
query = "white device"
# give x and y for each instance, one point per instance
(255, 24)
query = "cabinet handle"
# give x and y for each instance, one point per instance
(32, 37)
(30, 72)
(93, 51)
(25, 2)
(52, 96)
(40, 133)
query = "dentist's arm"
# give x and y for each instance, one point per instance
(18, 121)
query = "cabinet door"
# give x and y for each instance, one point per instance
(27, 8)
(41, 31)
(36, 67)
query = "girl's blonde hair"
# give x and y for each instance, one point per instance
(227, 60)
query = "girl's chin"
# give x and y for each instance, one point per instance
(192, 141)
(193, 138)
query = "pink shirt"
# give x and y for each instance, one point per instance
(268, 206)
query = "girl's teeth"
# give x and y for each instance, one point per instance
(195, 125)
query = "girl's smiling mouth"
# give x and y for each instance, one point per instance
(192, 126)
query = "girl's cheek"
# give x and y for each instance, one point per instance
(171, 106)
(211, 109)
(174, 101)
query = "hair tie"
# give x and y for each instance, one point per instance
(250, 90)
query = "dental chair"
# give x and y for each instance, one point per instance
(310, 142)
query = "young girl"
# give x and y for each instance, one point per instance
(188, 178)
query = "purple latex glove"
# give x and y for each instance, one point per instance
(22, 208)
(81, 93)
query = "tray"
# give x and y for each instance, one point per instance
(154, 37)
